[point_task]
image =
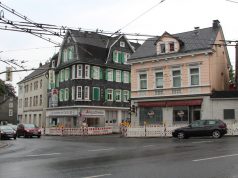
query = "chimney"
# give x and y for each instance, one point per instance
(215, 24)
(196, 30)
(40, 65)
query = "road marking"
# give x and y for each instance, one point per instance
(217, 157)
(103, 175)
(105, 149)
(48, 154)
(148, 146)
(203, 142)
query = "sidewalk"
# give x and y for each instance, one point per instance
(3, 144)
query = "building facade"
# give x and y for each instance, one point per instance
(90, 81)
(32, 97)
(173, 76)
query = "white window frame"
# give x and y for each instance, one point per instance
(126, 56)
(110, 92)
(86, 93)
(79, 91)
(176, 69)
(159, 71)
(118, 76)
(61, 97)
(118, 93)
(96, 72)
(161, 48)
(62, 75)
(117, 54)
(110, 77)
(11, 105)
(87, 71)
(66, 94)
(122, 44)
(10, 112)
(190, 75)
(73, 93)
(126, 95)
(139, 84)
(81, 71)
(126, 76)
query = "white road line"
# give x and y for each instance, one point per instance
(203, 142)
(148, 146)
(48, 154)
(217, 157)
(106, 149)
(103, 175)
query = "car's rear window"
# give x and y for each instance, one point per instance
(5, 128)
(29, 126)
(210, 122)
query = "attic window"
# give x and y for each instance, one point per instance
(122, 44)
(171, 46)
(162, 48)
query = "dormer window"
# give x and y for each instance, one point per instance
(122, 44)
(162, 48)
(171, 46)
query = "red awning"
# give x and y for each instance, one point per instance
(195, 102)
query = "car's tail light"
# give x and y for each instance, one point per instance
(222, 126)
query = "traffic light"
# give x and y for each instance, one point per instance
(8, 74)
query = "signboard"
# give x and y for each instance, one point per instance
(93, 112)
(62, 112)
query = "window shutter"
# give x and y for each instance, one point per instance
(119, 57)
(122, 76)
(91, 73)
(105, 94)
(101, 75)
(123, 57)
(114, 56)
(114, 75)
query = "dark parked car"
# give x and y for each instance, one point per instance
(199, 128)
(7, 132)
(28, 130)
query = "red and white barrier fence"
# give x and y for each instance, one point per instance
(79, 131)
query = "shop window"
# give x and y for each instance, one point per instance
(229, 113)
(152, 115)
(180, 114)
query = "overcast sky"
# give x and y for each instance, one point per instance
(173, 16)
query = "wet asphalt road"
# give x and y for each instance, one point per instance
(115, 157)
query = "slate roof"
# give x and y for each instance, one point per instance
(37, 72)
(191, 42)
(224, 94)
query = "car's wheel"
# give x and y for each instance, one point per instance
(216, 134)
(38, 136)
(15, 138)
(181, 135)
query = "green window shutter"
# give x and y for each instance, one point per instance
(122, 76)
(101, 75)
(96, 94)
(122, 57)
(105, 94)
(92, 70)
(114, 56)
(114, 75)
(119, 57)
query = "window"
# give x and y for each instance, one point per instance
(110, 74)
(126, 77)
(66, 74)
(40, 83)
(96, 72)
(126, 56)
(176, 78)
(31, 87)
(125, 96)
(62, 75)
(36, 85)
(65, 57)
(96, 93)
(171, 46)
(180, 114)
(66, 94)
(36, 100)
(86, 92)
(79, 92)
(79, 71)
(194, 76)
(159, 80)
(229, 113)
(118, 76)
(10, 105)
(118, 95)
(115, 56)
(162, 48)
(73, 72)
(40, 100)
(73, 93)
(70, 53)
(87, 71)
(53, 64)
(109, 94)
(30, 101)
(143, 81)
(61, 93)
(10, 112)
(122, 44)
(57, 80)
